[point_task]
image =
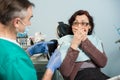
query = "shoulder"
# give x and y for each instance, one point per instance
(10, 53)
(94, 39)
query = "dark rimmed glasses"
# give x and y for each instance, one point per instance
(80, 23)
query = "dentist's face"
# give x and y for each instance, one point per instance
(25, 22)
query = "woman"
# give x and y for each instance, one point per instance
(82, 53)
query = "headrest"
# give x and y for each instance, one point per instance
(52, 47)
(62, 29)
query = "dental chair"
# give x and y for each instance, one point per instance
(62, 30)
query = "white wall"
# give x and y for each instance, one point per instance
(106, 16)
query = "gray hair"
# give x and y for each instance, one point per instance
(10, 9)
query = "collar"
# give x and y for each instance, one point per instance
(10, 40)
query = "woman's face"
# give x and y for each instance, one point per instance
(81, 22)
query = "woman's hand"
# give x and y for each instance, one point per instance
(79, 35)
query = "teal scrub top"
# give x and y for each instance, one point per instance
(15, 64)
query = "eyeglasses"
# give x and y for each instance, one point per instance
(22, 22)
(81, 23)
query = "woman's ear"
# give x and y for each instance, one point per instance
(89, 27)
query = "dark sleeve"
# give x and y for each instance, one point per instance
(69, 62)
(96, 56)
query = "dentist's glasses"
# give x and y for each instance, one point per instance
(22, 22)
(80, 23)
(26, 30)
